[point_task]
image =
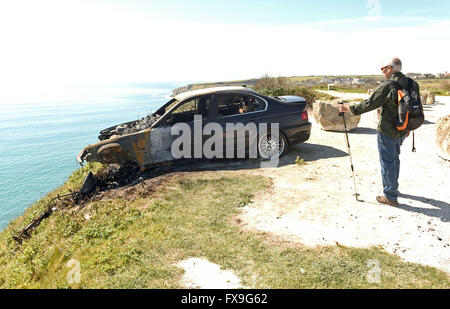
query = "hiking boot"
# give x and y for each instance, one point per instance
(385, 200)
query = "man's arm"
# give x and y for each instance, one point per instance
(376, 100)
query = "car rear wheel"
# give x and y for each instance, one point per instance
(272, 147)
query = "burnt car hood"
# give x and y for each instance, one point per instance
(129, 127)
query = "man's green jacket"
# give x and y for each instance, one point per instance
(385, 96)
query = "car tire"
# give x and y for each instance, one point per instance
(266, 146)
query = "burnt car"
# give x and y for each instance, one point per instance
(148, 141)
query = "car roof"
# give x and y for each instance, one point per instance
(193, 93)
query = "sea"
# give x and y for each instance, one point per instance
(40, 136)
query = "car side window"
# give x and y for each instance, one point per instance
(256, 104)
(187, 107)
(187, 110)
(225, 106)
(238, 104)
(248, 103)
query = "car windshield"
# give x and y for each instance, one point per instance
(166, 107)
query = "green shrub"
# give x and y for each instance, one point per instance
(279, 86)
(268, 82)
(299, 161)
(446, 85)
(308, 94)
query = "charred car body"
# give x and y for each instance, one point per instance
(147, 142)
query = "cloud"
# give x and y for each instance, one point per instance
(427, 10)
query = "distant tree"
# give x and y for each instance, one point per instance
(266, 81)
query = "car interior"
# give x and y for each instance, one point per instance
(187, 111)
(237, 104)
(227, 105)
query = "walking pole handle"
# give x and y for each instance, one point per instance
(341, 113)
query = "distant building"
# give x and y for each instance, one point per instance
(325, 80)
(415, 75)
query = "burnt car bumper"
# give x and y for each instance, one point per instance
(81, 157)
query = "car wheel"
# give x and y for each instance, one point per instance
(111, 153)
(272, 147)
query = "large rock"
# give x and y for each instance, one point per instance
(443, 136)
(430, 98)
(376, 115)
(326, 114)
(424, 97)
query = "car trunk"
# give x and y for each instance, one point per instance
(291, 99)
(297, 103)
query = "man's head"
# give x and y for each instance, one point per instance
(391, 66)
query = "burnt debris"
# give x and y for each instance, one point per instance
(112, 177)
(115, 176)
(129, 127)
(89, 184)
(54, 204)
(26, 232)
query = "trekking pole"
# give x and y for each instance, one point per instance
(350, 155)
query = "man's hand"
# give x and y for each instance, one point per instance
(343, 108)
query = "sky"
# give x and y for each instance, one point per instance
(47, 43)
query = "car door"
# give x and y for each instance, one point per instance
(239, 124)
(192, 115)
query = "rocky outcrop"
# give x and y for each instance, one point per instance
(424, 97)
(430, 98)
(443, 136)
(376, 115)
(326, 114)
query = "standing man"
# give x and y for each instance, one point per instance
(389, 138)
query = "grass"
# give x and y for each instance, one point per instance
(438, 86)
(135, 244)
(344, 89)
(299, 161)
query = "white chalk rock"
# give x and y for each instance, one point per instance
(443, 136)
(430, 98)
(424, 97)
(326, 114)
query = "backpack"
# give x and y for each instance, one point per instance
(410, 109)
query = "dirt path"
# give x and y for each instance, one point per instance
(202, 274)
(314, 204)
